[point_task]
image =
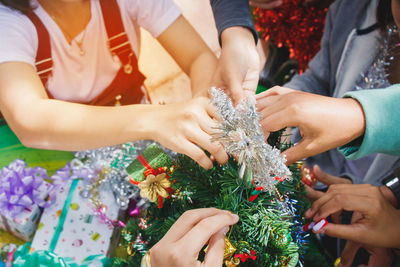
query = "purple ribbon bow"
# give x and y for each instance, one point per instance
(20, 187)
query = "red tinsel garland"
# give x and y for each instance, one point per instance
(294, 24)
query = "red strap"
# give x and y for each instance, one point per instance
(44, 62)
(118, 41)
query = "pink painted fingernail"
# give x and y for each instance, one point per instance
(225, 230)
(321, 224)
(308, 213)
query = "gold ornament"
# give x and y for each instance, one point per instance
(232, 262)
(154, 186)
(337, 262)
(146, 260)
(229, 249)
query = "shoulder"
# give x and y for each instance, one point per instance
(153, 15)
(18, 34)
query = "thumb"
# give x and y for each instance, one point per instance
(312, 194)
(216, 248)
(297, 152)
(349, 252)
(236, 91)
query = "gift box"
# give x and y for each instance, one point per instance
(150, 172)
(70, 230)
(23, 192)
(152, 157)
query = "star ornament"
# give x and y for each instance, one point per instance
(154, 186)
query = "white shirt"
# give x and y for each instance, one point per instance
(75, 77)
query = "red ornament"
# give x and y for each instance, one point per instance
(296, 25)
(308, 176)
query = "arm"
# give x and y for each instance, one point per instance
(191, 53)
(238, 66)
(52, 124)
(382, 133)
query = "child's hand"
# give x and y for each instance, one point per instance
(186, 128)
(186, 238)
(324, 122)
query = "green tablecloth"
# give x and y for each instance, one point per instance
(11, 149)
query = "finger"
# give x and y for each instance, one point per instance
(334, 191)
(267, 105)
(312, 194)
(216, 248)
(275, 122)
(343, 202)
(302, 149)
(202, 139)
(353, 232)
(328, 179)
(187, 221)
(349, 252)
(271, 5)
(276, 90)
(195, 239)
(194, 152)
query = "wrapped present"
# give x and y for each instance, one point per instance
(69, 229)
(23, 193)
(150, 172)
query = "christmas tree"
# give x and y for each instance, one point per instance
(268, 198)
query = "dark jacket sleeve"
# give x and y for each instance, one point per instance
(229, 13)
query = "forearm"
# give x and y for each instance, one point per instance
(201, 72)
(53, 124)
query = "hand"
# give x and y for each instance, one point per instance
(324, 122)
(238, 66)
(378, 225)
(266, 4)
(181, 245)
(378, 256)
(185, 127)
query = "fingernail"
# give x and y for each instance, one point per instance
(235, 216)
(225, 230)
(320, 225)
(308, 213)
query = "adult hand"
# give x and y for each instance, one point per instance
(181, 245)
(377, 256)
(324, 122)
(266, 4)
(186, 128)
(378, 225)
(238, 66)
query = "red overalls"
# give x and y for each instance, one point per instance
(126, 86)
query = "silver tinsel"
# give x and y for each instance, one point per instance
(241, 134)
(113, 160)
(377, 75)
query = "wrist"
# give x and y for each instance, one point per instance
(357, 113)
(237, 36)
